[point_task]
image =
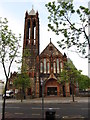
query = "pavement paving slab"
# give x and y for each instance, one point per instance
(51, 100)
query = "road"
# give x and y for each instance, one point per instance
(29, 110)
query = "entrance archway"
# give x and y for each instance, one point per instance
(52, 88)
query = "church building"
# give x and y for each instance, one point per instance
(43, 68)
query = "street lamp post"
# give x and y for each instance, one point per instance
(42, 84)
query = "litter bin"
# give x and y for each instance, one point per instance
(50, 114)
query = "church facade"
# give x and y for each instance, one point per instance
(43, 68)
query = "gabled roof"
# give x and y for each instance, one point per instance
(52, 76)
(51, 49)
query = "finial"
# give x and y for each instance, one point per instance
(50, 40)
(32, 6)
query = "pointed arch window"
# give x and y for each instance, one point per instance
(44, 65)
(57, 65)
(54, 67)
(61, 66)
(35, 32)
(41, 67)
(34, 35)
(48, 67)
(29, 33)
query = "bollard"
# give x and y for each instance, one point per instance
(50, 114)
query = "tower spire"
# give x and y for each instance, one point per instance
(32, 7)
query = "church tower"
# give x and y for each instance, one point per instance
(31, 50)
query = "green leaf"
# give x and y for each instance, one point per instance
(72, 11)
(78, 11)
(63, 47)
(82, 7)
(64, 24)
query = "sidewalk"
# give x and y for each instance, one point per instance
(52, 100)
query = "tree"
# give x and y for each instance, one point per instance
(84, 82)
(9, 50)
(62, 16)
(22, 81)
(69, 74)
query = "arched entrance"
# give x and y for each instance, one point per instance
(52, 87)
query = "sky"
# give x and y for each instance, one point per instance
(14, 11)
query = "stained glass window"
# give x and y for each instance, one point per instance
(57, 65)
(44, 65)
(48, 67)
(61, 66)
(54, 67)
(41, 67)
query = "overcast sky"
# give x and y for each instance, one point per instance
(15, 13)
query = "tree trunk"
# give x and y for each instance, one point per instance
(73, 92)
(21, 95)
(23, 90)
(4, 99)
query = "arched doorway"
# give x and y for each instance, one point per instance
(52, 88)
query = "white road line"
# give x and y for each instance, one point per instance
(78, 116)
(18, 113)
(35, 114)
(11, 107)
(45, 108)
(57, 115)
(85, 108)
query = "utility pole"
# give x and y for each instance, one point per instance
(42, 84)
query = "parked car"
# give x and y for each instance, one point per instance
(9, 94)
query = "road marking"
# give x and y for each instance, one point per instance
(35, 114)
(78, 116)
(11, 107)
(18, 113)
(45, 108)
(57, 115)
(85, 108)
